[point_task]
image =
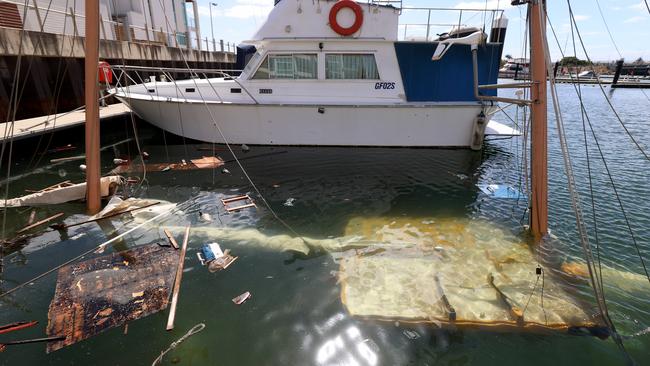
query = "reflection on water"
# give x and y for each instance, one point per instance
(338, 199)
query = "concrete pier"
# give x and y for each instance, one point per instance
(39, 44)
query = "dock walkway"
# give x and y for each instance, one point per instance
(44, 124)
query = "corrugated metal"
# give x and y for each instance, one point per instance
(10, 16)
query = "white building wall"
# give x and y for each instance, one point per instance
(166, 15)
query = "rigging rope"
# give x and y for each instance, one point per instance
(625, 216)
(600, 85)
(223, 137)
(195, 329)
(602, 157)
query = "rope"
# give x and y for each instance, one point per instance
(600, 85)
(620, 202)
(575, 201)
(250, 181)
(196, 329)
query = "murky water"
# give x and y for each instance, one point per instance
(295, 315)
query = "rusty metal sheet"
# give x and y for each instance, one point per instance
(109, 291)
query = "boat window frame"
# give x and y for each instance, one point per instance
(266, 55)
(366, 53)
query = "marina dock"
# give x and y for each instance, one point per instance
(41, 125)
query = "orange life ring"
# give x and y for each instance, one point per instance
(358, 17)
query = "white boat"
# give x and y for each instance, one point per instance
(334, 73)
(518, 68)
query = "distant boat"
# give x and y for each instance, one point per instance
(517, 68)
(334, 73)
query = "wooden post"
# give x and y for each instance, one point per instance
(177, 281)
(539, 140)
(93, 192)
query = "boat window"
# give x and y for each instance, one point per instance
(351, 66)
(296, 66)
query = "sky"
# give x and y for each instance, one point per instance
(628, 21)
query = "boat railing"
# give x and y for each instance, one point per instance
(427, 23)
(127, 76)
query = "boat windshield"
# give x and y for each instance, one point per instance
(252, 62)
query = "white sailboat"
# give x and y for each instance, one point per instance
(334, 73)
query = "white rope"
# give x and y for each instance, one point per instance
(223, 137)
(197, 328)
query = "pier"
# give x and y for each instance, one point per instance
(40, 125)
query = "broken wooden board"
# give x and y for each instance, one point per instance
(206, 162)
(109, 291)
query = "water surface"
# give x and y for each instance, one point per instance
(296, 316)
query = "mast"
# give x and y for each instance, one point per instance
(539, 140)
(92, 107)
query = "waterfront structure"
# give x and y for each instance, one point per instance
(162, 21)
(334, 73)
(48, 39)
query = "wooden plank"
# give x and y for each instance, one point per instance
(47, 188)
(30, 127)
(39, 223)
(233, 199)
(451, 312)
(230, 209)
(171, 238)
(16, 326)
(177, 282)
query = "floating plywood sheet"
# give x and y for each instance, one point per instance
(109, 291)
(437, 267)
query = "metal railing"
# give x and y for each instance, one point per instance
(425, 24)
(127, 76)
(57, 21)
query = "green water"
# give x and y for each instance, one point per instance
(295, 315)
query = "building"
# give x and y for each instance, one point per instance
(168, 22)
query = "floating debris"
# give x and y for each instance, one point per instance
(41, 222)
(225, 171)
(120, 161)
(245, 148)
(171, 239)
(98, 294)
(205, 216)
(500, 191)
(216, 259)
(242, 298)
(63, 192)
(410, 334)
(67, 147)
(289, 202)
(16, 326)
(177, 280)
(206, 162)
(105, 214)
(227, 202)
